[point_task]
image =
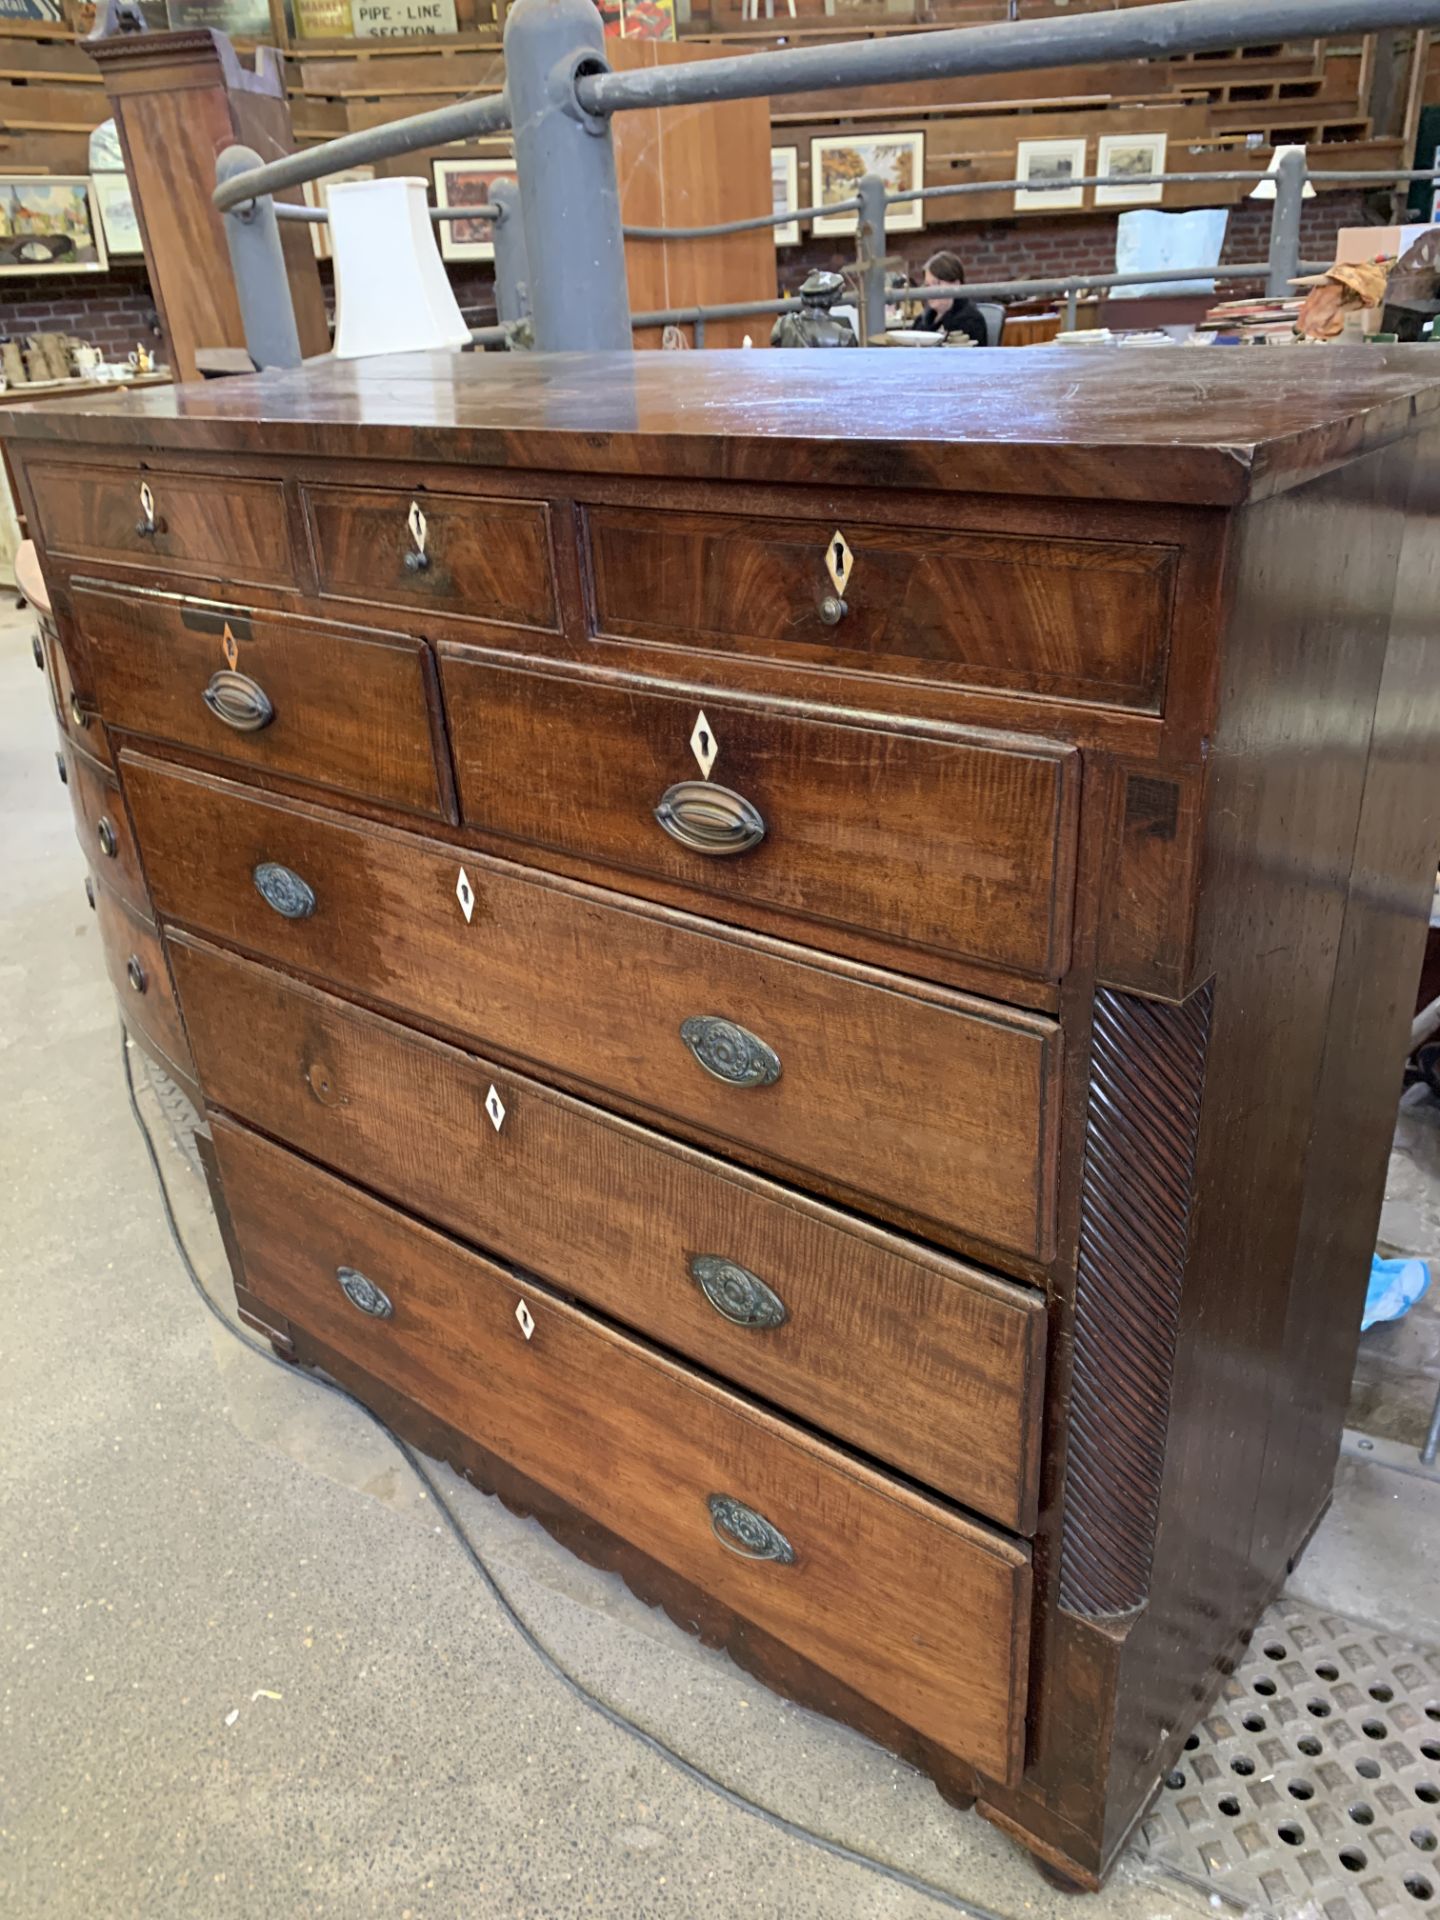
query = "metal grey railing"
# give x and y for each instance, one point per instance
(559, 226)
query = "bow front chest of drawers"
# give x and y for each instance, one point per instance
(801, 962)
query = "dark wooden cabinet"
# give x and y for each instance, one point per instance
(800, 962)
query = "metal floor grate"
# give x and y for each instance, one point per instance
(1313, 1785)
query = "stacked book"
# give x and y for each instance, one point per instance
(1256, 322)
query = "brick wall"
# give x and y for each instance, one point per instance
(114, 311)
(1043, 249)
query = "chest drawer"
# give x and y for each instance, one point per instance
(921, 1611)
(918, 1360)
(934, 837)
(1083, 620)
(135, 963)
(225, 528)
(927, 1103)
(103, 825)
(321, 703)
(482, 559)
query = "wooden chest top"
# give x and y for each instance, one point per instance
(1178, 425)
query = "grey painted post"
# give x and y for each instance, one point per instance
(257, 261)
(870, 256)
(565, 164)
(512, 270)
(1285, 225)
(1072, 309)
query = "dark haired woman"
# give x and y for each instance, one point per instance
(961, 316)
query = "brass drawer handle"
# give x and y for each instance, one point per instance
(833, 610)
(77, 712)
(283, 889)
(730, 1053)
(740, 1296)
(363, 1293)
(710, 819)
(242, 703)
(105, 834)
(748, 1533)
(135, 973)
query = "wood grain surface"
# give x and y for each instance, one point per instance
(352, 711)
(920, 1360)
(927, 1103)
(924, 1612)
(942, 838)
(1079, 619)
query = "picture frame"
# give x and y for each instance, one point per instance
(785, 192)
(1051, 164)
(317, 194)
(839, 163)
(49, 223)
(118, 220)
(467, 183)
(1138, 153)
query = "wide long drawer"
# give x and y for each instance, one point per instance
(934, 837)
(924, 1104)
(919, 1610)
(318, 702)
(920, 1360)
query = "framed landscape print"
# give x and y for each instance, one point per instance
(1050, 165)
(1130, 153)
(117, 216)
(467, 183)
(48, 224)
(838, 165)
(785, 192)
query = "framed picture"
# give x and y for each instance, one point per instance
(48, 224)
(317, 194)
(1130, 154)
(785, 192)
(241, 19)
(467, 183)
(117, 216)
(1051, 165)
(837, 166)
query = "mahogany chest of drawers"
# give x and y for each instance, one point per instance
(801, 962)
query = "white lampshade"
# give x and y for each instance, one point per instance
(392, 294)
(1264, 188)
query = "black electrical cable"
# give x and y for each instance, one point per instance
(551, 1664)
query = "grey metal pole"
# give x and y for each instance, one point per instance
(257, 261)
(1072, 309)
(1131, 33)
(870, 255)
(512, 269)
(1284, 261)
(565, 163)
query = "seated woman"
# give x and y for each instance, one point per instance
(961, 316)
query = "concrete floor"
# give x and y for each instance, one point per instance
(244, 1671)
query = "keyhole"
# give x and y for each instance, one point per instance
(704, 743)
(839, 555)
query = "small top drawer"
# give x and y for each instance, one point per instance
(479, 559)
(195, 523)
(925, 1106)
(321, 703)
(935, 837)
(1084, 620)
